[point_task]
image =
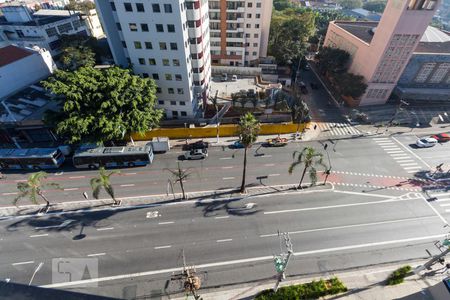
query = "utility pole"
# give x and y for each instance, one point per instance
(328, 170)
(399, 108)
(217, 115)
(281, 261)
(437, 258)
(191, 282)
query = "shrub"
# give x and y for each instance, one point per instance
(398, 275)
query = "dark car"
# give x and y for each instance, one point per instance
(314, 86)
(197, 145)
(441, 137)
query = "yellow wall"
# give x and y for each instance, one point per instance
(224, 130)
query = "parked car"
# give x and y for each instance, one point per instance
(441, 137)
(237, 145)
(196, 154)
(197, 145)
(426, 142)
(224, 77)
(277, 142)
(234, 78)
(307, 67)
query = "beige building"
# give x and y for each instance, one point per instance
(239, 31)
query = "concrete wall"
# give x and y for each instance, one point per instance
(244, 71)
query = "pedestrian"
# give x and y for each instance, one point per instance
(85, 195)
(315, 126)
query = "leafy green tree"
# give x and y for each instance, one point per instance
(33, 188)
(282, 4)
(350, 4)
(180, 175)
(323, 18)
(375, 6)
(333, 60)
(310, 159)
(350, 84)
(74, 57)
(81, 41)
(103, 181)
(102, 105)
(80, 6)
(248, 129)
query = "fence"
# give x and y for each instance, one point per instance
(243, 71)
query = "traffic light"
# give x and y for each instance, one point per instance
(279, 264)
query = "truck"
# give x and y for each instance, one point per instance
(160, 144)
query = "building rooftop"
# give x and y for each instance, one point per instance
(10, 54)
(37, 20)
(360, 29)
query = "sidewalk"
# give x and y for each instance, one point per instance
(363, 283)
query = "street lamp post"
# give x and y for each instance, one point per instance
(399, 108)
(328, 170)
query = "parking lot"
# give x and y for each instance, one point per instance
(226, 88)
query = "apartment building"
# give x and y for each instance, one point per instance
(239, 31)
(167, 40)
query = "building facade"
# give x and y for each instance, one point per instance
(167, 41)
(381, 50)
(239, 31)
(20, 27)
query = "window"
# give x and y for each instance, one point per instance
(159, 28)
(161, 102)
(127, 6)
(171, 91)
(249, 16)
(183, 114)
(140, 7)
(167, 8)
(165, 62)
(255, 53)
(170, 28)
(176, 62)
(151, 61)
(247, 35)
(158, 90)
(155, 76)
(249, 4)
(132, 26)
(255, 44)
(256, 25)
(258, 5)
(148, 45)
(51, 31)
(156, 8)
(63, 28)
(124, 44)
(141, 61)
(180, 92)
(162, 46)
(113, 6)
(144, 27)
(248, 25)
(118, 26)
(173, 46)
(424, 72)
(145, 75)
(256, 36)
(258, 16)
(168, 76)
(137, 45)
(440, 73)
(178, 77)
(173, 102)
(182, 103)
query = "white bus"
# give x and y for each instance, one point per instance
(35, 158)
(94, 158)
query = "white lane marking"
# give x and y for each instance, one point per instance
(433, 209)
(38, 235)
(403, 157)
(273, 175)
(129, 174)
(23, 263)
(412, 167)
(362, 194)
(408, 164)
(440, 194)
(227, 178)
(269, 165)
(224, 240)
(70, 189)
(162, 247)
(406, 160)
(351, 226)
(241, 261)
(443, 200)
(76, 177)
(152, 214)
(105, 228)
(406, 148)
(230, 167)
(336, 206)
(265, 155)
(222, 217)
(125, 185)
(399, 154)
(412, 171)
(6, 194)
(97, 254)
(445, 204)
(226, 158)
(165, 223)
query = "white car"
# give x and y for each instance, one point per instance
(426, 142)
(196, 154)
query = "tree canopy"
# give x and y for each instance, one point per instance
(350, 4)
(351, 85)
(375, 6)
(74, 57)
(102, 105)
(80, 6)
(282, 4)
(333, 60)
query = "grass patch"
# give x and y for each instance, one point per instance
(310, 290)
(398, 275)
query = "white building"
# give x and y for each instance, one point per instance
(20, 27)
(21, 67)
(167, 41)
(239, 31)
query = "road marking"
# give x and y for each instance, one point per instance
(70, 189)
(227, 167)
(226, 158)
(223, 241)
(20, 180)
(403, 157)
(273, 175)
(63, 224)
(409, 168)
(23, 263)
(164, 223)
(97, 254)
(38, 235)
(379, 140)
(406, 148)
(76, 177)
(433, 209)
(227, 178)
(152, 214)
(440, 194)
(129, 174)
(443, 200)
(265, 155)
(336, 206)
(105, 228)
(269, 165)
(408, 164)
(162, 247)
(6, 194)
(394, 152)
(406, 160)
(399, 154)
(351, 226)
(222, 217)
(241, 261)
(125, 185)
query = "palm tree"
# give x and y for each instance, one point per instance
(103, 181)
(33, 188)
(248, 129)
(310, 158)
(180, 175)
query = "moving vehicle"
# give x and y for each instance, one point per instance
(93, 158)
(441, 137)
(160, 144)
(35, 158)
(237, 145)
(197, 145)
(426, 142)
(277, 142)
(196, 154)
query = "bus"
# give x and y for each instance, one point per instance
(93, 158)
(35, 158)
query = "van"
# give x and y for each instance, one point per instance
(234, 78)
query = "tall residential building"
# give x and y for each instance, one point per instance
(381, 50)
(239, 30)
(167, 40)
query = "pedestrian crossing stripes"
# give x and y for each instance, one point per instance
(442, 199)
(335, 129)
(398, 155)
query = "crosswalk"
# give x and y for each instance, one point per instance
(443, 200)
(398, 154)
(337, 129)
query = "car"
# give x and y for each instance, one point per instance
(237, 145)
(277, 142)
(314, 86)
(441, 137)
(196, 154)
(224, 77)
(426, 142)
(234, 78)
(197, 145)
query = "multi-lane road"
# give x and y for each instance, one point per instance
(370, 213)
